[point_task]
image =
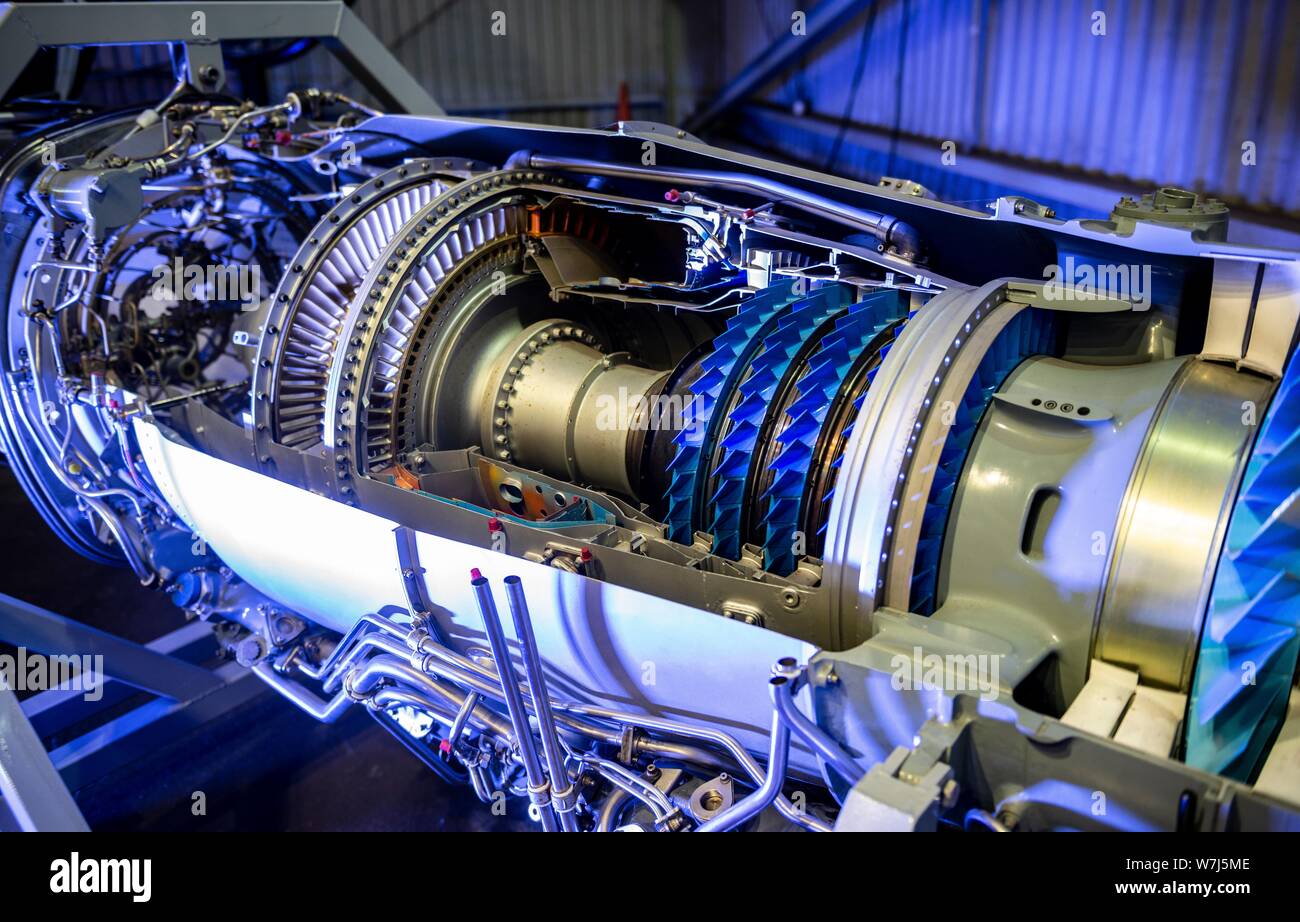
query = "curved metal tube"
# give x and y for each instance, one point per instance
(364, 680)
(978, 817)
(93, 498)
(385, 698)
(749, 807)
(634, 785)
(610, 810)
(325, 711)
(455, 668)
(722, 740)
(42, 400)
(827, 749)
(890, 231)
(478, 778)
(465, 672)
(462, 717)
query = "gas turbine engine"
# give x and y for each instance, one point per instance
(342, 382)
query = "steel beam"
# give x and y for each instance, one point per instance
(370, 62)
(25, 28)
(25, 625)
(138, 734)
(57, 709)
(822, 22)
(32, 788)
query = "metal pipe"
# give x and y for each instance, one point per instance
(462, 717)
(388, 697)
(326, 711)
(55, 465)
(716, 737)
(611, 808)
(453, 667)
(538, 788)
(485, 684)
(631, 785)
(570, 715)
(463, 671)
(827, 749)
(890, 231)
(479, 781)
(205, 391)
(630, 781)
(357, 630)
(364, 680)
(982, 818)
(562, 790)
(749, 807)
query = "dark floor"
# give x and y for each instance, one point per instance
(266, 766)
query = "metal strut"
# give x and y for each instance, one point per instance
(26, 28)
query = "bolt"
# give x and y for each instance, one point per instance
(951, 790)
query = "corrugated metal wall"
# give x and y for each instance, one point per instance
(1168, 94)
(128, 75)
(559, 61)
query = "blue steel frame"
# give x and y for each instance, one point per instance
(176, 694)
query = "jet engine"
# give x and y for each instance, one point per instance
(810, 503)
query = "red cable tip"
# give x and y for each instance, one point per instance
(495, 525)
(475, 574)
(585, 555)
(672, 195)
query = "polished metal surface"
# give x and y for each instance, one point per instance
(860, 528)
(561, 403)
(1172, 523)
(1038, 499)
(944, 392)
